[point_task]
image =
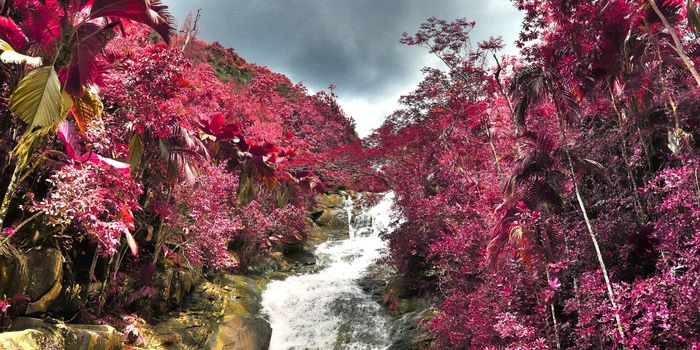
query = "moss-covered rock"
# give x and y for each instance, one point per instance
(172, 285)
(223, 310)
(33, 334)
(332, 200)
(409, 310)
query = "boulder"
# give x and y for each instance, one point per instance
(406, 333)
(239, 333)
(331, 218)
(240, 327)
(30, 339)
(302, 257)
(181, 285)
(31, 333)
(46, 266)
(42, 284)
(172, 286)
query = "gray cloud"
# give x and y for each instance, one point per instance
(352, 43)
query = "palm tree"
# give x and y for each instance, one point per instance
(535, 183)
(532, 86)
(44, 97)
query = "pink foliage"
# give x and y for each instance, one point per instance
(95, 197)
(209, 218)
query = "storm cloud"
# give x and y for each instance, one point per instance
(352, 43)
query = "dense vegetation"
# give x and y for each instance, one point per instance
(552, 200)
(135, 150)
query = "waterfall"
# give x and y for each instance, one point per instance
(327, 309)
(349, 205)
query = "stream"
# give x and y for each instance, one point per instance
(327, 309)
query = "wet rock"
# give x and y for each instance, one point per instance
(44, 283)
(375, 280)
(30, 333)
(47, 269)
(302, 257)
(163, 283)
(382, 279)
(407, 335)
(221, 313)
(30, 339)
(238, 333)
(191, 328)
(326, 234)
(331, 218)
(331, 212)
(181, 285)
(236, 324)
(189, 331)
(362, 221)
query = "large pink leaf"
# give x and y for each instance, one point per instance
(39, 21)
(154, 14)
(133, 246)
(216, 126)
(91, 157)
(67, 133)
(10, 32)
(84, 68)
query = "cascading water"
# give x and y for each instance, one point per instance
(349, 206)
(327, 309)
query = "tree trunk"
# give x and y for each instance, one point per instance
(494, 152)
(554, 316)
(505, 96)
(584, 213)
(9, 194)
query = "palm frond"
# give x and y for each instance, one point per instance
(181, 151)
(38, 100)
(501, 233)
(151, 13)
(29, 143)
(83, 68)
(537, 162)
(528, 89)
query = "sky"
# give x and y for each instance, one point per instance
(353, 44)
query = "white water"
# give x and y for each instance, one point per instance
(327, 309)
(349, 205)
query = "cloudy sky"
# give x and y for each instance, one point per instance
(352, 43)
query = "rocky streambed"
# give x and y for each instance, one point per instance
(352, 300)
